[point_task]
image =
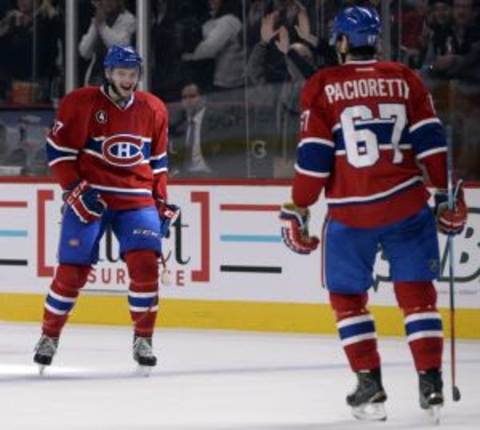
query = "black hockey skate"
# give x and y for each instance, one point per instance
(367, 401)
(143, 354)
(431, 392)
(44, 351)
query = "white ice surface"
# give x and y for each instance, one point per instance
(212, 380)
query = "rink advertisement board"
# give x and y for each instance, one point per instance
(226, 258)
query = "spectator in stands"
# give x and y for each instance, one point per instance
(462, 67)
(462, 59)
(206, 141)
(288, 14)
(280, 100)
(112, 24)
(438, 33)
(256, 12)
(222, 43)
(408, 29)
(177, 28)
(30, 21)
(292, 16)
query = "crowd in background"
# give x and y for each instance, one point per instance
(231, 71)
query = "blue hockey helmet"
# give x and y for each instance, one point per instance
(361, 26)
(122, 56)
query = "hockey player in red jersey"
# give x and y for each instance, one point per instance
(366, 126)
(108, 151)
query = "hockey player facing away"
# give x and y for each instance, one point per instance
(365, 126)
(107, 150)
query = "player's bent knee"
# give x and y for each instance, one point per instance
(72, 276)
(413, 296)
(346, 305)
(142, 266)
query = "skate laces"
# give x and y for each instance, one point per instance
(46, 346)
(142, 347)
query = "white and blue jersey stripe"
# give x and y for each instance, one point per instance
(143, 302)
(356, 329)
(315, 157)
(159, 163)
(423, 325)
(57, 153)
(58, 304)
(428, 137)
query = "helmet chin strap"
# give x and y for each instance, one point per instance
(342, 49)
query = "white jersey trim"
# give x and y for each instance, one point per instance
(316, 140)
(425, 154)
(95, 154)
(157, 171)
(311, 172)
(387, 146)
(424, 122)
(158, 157)
(393, 190)
(381, 146)
(122, 190)
(135, 136)
(60, 159)
(61, 148)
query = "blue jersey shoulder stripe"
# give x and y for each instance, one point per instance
(55, 153)
(315, 157)
(160, 163)
(428, 137)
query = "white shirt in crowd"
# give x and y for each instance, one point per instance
(197, 162)
(120, 33)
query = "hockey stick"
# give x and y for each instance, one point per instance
(452, 195)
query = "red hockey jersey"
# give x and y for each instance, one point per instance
(121, 152)
(365, 127)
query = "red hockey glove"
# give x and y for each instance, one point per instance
(295, 229)
(451, 221)
(168, 214)
(85, 202)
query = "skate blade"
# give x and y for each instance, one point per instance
(41, 369)
(435, 413)
(370, 412)
(144, 371)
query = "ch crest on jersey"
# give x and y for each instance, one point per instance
(101, 117)
(123, 150)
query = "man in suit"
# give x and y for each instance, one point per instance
(208, 139)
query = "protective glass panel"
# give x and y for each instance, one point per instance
(31, 79)
(230, 72)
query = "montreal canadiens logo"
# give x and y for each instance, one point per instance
(123, 150)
